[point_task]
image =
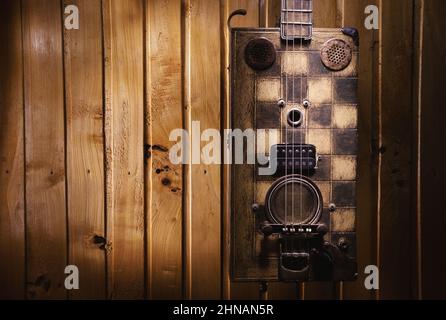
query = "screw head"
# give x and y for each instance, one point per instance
(306, 104)
(281, 103)
(332, 207)
(255, 207)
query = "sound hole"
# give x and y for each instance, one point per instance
(294, 200)
(260, 54)
(336, 54)
(295, 118)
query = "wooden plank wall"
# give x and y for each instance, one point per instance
(85, 150)
(431, 184)
(12, 166)
(45, 161)
(396, 214)
(202, 103)
(164, 180)
(124, 41)
(367, 185)
(85, 177)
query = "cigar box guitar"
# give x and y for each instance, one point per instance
(298, 85)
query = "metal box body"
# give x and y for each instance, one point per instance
(330, 124)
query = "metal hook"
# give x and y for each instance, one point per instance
(239, 12)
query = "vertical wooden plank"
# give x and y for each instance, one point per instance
(325, 13)
(123, 38)
(342, 7)
(164, 180)
(263, 12)
(12, 187)
(45, 139)
(396, 214)
(353, 15)
(226, 173)
(85, 148)
(203, 244)
(108, 141)
(273, 13)
(431, 115)
(419, 15)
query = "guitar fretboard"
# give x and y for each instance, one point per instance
(296, 22)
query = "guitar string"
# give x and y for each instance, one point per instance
(283, 98)
(292, 130)
(305, 119)
(285, 17)
(294, 88)
(301, 55)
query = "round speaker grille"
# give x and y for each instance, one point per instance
(294, 199)
(336, 54)
(260, 54)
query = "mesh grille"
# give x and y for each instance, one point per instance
(336, 54)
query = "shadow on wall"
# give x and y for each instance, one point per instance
(12, 246)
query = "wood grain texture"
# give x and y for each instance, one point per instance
(85, 149)
(202, 229)
(125, 95)
(110, 62)
(353, 15)
(325, 13)
(273, 13)
(108, 139)
(45, 153)
(395, 212)
(164, 187)
(432, 159)
(12, 186)
(225, 50)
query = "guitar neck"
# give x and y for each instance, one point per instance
(296, 20)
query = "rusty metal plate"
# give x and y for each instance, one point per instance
(260, 54)
(336, 54)
(328, 122)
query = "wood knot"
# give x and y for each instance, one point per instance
(166, 182)
(102, 243)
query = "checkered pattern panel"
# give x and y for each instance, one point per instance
(330, 123)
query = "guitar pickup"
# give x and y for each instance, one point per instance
(294, 157)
